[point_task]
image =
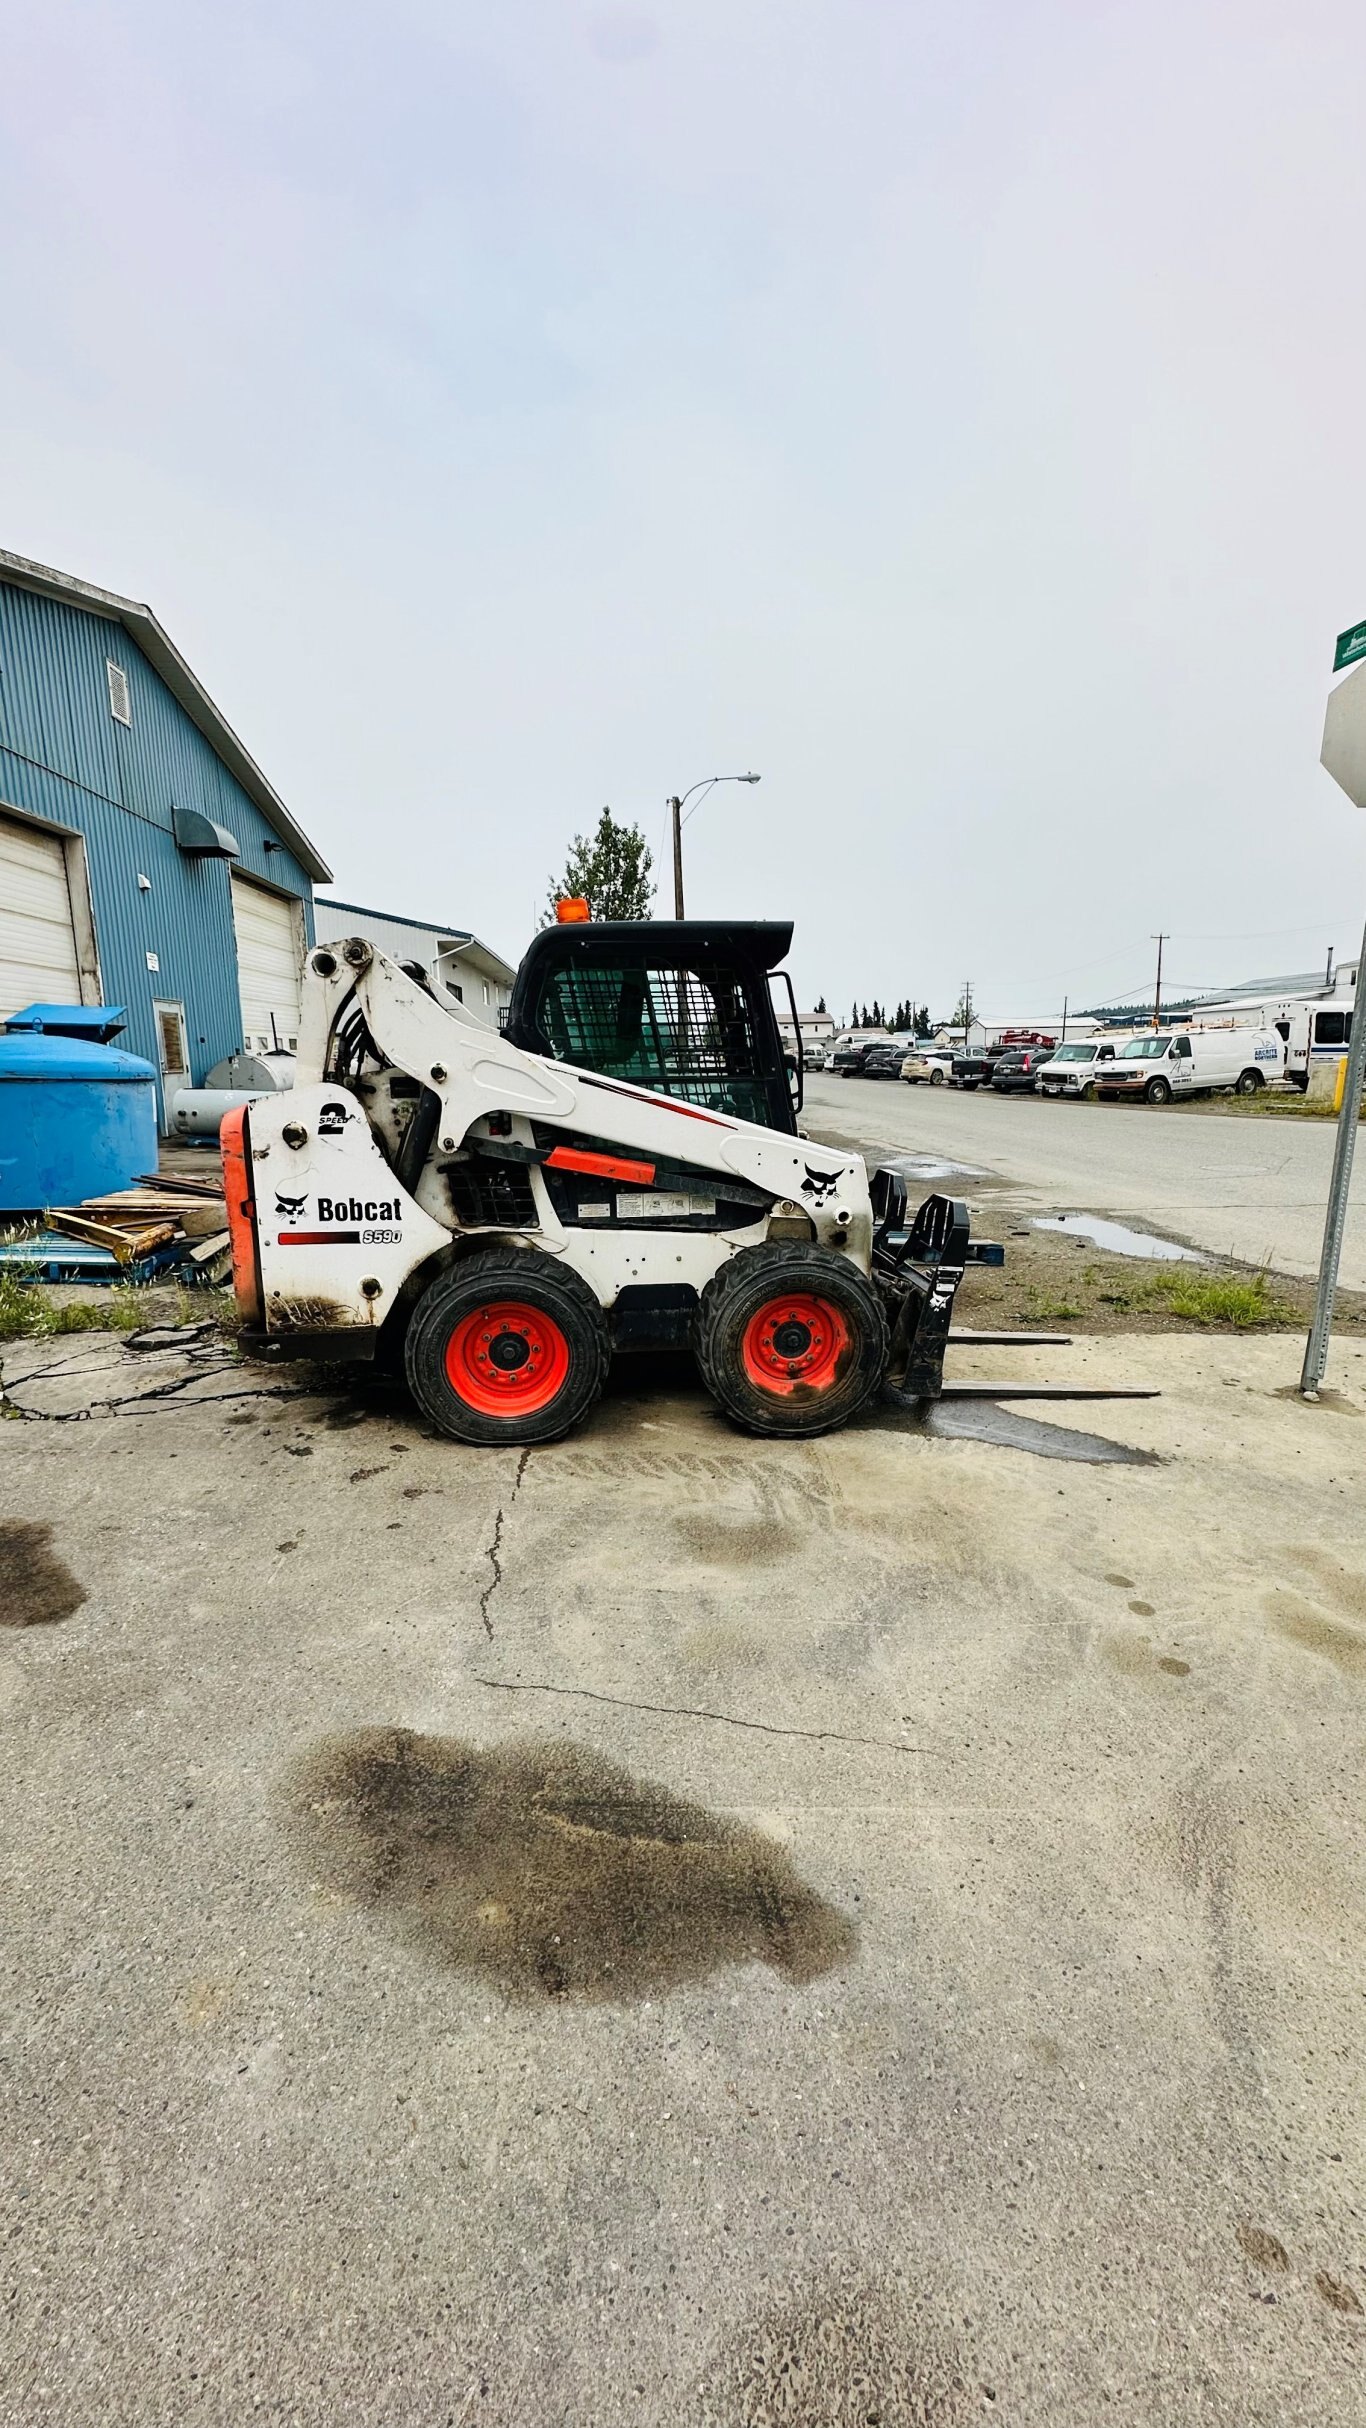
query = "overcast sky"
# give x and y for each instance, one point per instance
(954, 413)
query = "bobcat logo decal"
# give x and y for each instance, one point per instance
(290, 1207)
(818, 1185)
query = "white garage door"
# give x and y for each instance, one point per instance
(38, 961)
(269, 964)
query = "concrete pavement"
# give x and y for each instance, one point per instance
(676, 1929)
(1253, 1190)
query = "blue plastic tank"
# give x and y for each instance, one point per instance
(76, 1118)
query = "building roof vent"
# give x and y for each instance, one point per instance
(120, 704)
(201, 838)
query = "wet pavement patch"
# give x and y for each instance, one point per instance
(549, 1871)
(985, 1420)
(36, 1588)
(1118, 1238)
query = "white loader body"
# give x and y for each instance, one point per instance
(666, 1192)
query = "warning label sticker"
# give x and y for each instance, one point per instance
(660, 1205)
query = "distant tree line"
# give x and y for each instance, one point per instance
(907, 1017)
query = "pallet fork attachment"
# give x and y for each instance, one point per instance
(919, 1264)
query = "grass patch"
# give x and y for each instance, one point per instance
(1049, 1309)
(28, 1311)
(1239, 1300)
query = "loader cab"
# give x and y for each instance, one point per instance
(682, 1007)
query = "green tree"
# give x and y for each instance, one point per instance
(924, 1026)
(611, 869)
(820, 1003)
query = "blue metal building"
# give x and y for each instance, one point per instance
(144, 858)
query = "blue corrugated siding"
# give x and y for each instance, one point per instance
(64, 758)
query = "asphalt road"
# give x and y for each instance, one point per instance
(674, 1931)
(1254, 1190)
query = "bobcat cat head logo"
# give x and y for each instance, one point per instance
(818, 1185)
(290, 1207)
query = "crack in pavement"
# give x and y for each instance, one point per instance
(492, 1550)
(689, 1711)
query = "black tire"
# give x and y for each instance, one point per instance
(936, 1079)
(1158, 1091)
(968, 1086)
(740, 1348)
(1086, 1093)
(1249, 1083)
(560, 1320)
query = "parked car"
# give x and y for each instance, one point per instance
(1192, 1062)
(929, 1063)
(815, 1056)
(1019, 1067)
(848, 1060)
(884, 1061)
(1072, 1069)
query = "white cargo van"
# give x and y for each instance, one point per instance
(1163, 1063)
(1318, 1033)
(1074, 1068)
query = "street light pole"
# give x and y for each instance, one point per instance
(679, 822)
(675, 808)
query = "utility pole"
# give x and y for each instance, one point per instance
(1164, 938)
(1328, 973)
(1063, 1039)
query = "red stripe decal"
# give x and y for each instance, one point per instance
(671, 1104)
(320, 1239)
(604, 1167)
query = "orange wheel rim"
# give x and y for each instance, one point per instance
(507, 1359)
(794, 1343)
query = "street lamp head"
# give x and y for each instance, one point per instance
(749, 779)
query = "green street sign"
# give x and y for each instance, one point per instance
(1351, 646)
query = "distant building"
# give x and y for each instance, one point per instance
(817, 1028)
(145, 860)
(454, 960)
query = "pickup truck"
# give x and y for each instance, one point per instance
(975, 1070)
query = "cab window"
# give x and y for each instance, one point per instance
(684, 1032)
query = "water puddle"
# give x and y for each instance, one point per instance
(1118, 1238)
(933, 1167)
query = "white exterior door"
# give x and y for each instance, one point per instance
(270, 944)
(38, 957)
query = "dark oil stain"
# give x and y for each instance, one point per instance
(1337, 2295)
(1143, 1610)
(297, 1449)
(549, 1871)
(731, 1541)
(1263, 2249)
(1116, 1579)
(854, 2356)
(242, 1416)
(1303, 1623)
(362, 1475)
(345, 1414)
(419, 1492)
(1173, 1667)
(36, 1588)
(286, 1546)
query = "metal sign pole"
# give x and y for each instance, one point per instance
(1316, 1347)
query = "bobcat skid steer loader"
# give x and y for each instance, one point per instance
(503, 1219)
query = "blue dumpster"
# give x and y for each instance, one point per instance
(76, 1118)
